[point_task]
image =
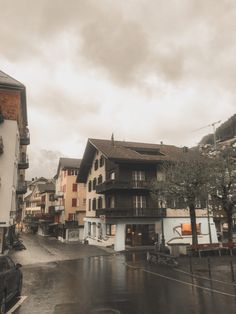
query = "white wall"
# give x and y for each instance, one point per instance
(172, 230)
(8, 170)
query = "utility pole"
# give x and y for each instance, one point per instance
(214, 130)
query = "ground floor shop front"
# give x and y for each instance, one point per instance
(124, 233)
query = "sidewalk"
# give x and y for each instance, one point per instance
(48, 249)
(218, 267)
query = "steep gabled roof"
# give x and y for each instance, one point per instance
(8, 82)
(122, 151)
(46, 187)
(68, 163)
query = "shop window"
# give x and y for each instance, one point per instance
(110, 230)
(187, 230)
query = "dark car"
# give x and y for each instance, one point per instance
(10, 281)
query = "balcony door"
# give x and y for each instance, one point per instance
(139, 204)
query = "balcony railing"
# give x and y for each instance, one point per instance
(1, 145)
(131, 212)
(21, 187)
(23, 162)
(25, 137)
(59, 207)
(122, 185)
(58, 194)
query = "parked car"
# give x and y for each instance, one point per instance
(10, 281)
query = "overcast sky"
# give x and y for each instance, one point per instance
(145, 70)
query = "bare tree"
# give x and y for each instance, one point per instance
(223, 187)
(186, 179)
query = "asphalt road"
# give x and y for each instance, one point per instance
(97, 281)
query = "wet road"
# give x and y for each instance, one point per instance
(119, 284)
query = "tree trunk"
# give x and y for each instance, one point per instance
(193, 223)
(229, 213)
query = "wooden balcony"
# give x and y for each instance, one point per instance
(131, 212)
(25, 137)
(23, 162)
(111, 185)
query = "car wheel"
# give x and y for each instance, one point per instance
(3, 305)
(18, 293)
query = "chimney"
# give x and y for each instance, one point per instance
(112, 140)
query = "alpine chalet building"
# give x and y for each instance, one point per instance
(120, 209)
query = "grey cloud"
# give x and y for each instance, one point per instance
(177, 40)
(42, 163)
(60, 104)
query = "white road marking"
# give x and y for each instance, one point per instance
(15, 307)
(184, 282)
(205, 278)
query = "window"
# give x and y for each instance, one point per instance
(74, 187)
(84, 201)
(100, 179)
(89, 186)
(187, 230)
(71, 217)
(96, 164)
(94, 204)
(100, 202)
(110, 201)
(89, 204)
(51, 197)
(101, 161)
(89, 228)
(110, 230)
(94, 183)
(139, 201)
(43, 199)
(138, 175)
(74, 202)
(112, 175)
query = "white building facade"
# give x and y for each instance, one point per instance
(14, 138)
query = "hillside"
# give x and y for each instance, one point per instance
(225, 131)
